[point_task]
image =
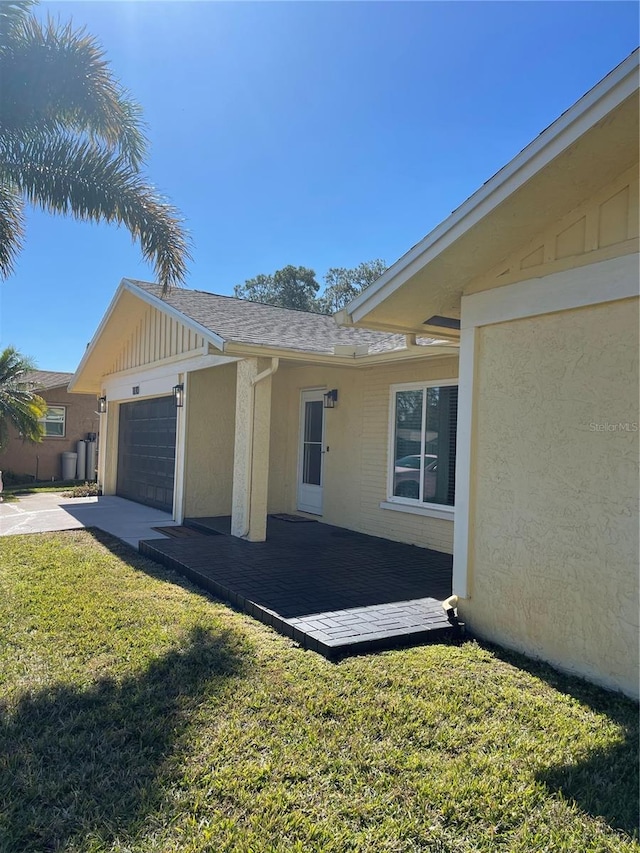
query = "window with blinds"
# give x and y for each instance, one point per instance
(53, 423)
(424, 443)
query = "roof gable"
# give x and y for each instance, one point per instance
(156, 336)
(134, 333)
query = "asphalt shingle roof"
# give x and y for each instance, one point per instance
(244, 322)
(43, 380)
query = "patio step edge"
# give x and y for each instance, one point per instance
(332, 650)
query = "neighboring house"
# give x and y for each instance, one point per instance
(69, 418)
(253, 435)
(539, 271)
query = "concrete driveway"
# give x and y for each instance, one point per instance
(41, 513)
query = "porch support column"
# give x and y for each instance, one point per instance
(108, 448)
(251, 450)
(463, 524)
(103, 421)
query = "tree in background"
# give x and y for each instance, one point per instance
(71, 142)
(296, 287)
(290, 287)
(20, 406)
(342, 285)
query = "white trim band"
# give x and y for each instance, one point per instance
(604, 281)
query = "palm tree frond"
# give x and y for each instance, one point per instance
(57, 78)
(11, 228)
(20, 405)
(12, 15)
(68, 176)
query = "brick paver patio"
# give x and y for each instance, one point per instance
(330, 589)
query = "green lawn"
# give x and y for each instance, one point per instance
(13, 493)
(140, 715)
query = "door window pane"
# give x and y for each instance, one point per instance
(312, 445)
(312, 464)
(313, 420)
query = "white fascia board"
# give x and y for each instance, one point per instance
(94, 340)
(161, 305)
(605, 96)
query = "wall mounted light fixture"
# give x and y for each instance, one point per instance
(102, 405)
(331, 398)
(178, 395)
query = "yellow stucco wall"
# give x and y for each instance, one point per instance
(554, 513)
(357, 434)
(211, 402)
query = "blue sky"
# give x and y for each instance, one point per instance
(321, 134)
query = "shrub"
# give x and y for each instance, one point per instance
(87, 490)
(10, 478)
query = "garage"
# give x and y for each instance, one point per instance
(147, 452)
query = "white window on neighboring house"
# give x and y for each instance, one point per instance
(423, 444)
(54, 422)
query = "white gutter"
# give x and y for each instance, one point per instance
(604, 97)
(275, 363)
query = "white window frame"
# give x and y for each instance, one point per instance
(402, 504)
(43, 421)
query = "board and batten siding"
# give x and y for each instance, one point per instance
(357, 435)
(603, 227)
(155, 338)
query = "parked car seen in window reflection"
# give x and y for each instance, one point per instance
(406, 480)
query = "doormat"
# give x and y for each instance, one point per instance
(178, 531)
(285, 516)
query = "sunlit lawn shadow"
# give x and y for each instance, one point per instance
(90, 762)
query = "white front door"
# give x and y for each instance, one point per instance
(311, 453)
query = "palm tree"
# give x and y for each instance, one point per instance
(20, 406)
(71, 142)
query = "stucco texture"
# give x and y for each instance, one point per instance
(44, 457)
(211, 403)
(554, 514)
